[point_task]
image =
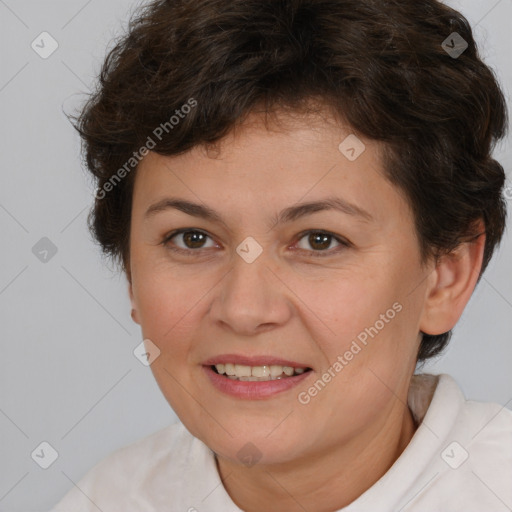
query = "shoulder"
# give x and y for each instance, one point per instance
(158, 445)
(128, 477)
(471, 466)
(170, 441)
(475, 422)
(486, 433)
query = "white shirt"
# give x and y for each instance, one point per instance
(459, 460)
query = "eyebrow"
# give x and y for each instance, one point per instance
(287, 215)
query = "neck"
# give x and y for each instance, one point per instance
(324, 481)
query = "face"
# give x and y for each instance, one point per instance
(265, 282)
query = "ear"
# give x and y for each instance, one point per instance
(451, 284)
(134, 313)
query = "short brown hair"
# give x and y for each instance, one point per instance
(380, 66)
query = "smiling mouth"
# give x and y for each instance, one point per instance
(257, 373)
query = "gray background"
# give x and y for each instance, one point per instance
(67, 372)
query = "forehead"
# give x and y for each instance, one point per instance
(262, 167)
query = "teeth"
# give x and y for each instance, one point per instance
(288, 370)
(257, 373)
(242, 370)
(275, 370)
(260, 371)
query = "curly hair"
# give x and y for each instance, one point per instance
(383, 66)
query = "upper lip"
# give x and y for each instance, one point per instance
(253, 361)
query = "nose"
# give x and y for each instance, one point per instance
(251, 298)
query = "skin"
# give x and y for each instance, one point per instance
(287, 303)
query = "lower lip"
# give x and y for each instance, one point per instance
(253, 390)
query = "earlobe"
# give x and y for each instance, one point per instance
(453, 282)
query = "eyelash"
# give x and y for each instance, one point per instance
(344, 244)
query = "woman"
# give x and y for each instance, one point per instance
(303, 198)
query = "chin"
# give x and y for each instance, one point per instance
(255, 446)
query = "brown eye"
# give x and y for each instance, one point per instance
(193, 239)
(320, 242)
(190, 240)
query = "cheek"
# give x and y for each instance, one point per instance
(370, 320)
(371, 358)
(165, 302)
(341, 307)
